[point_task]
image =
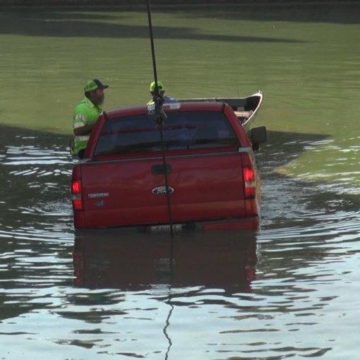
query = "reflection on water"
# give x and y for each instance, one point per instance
(113, 259)
(120, 294)
(191, 270)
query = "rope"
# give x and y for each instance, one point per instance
(160, 118)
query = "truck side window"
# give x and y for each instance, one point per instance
(182, 130)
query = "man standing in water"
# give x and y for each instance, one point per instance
(86, 114)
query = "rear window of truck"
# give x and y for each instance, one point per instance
(182, 130)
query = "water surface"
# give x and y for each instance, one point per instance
(287, 291)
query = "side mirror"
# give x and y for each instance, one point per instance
(257, 136)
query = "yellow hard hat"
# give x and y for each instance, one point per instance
(159, 85)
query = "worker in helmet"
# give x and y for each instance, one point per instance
(161, 93)
(86, 115)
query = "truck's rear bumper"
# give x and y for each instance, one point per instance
(244, 223)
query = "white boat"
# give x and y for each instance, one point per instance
(245, 108)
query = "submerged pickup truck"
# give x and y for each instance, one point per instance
(198, 172)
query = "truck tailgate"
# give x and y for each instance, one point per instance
(132, 192)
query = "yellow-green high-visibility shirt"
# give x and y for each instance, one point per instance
(85, 113)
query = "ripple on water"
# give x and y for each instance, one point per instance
(34, 160)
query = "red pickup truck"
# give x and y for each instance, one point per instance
(206, 157)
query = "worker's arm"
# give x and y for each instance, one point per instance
(83, 130)
(82, 126)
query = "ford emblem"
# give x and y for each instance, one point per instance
(161, 190)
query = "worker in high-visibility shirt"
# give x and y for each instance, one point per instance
(158, 99)
(159, 93)
(86, 114)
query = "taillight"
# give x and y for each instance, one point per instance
(76, 195)
(76, 187)
(249, 182)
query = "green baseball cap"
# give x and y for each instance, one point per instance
(94, 84)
